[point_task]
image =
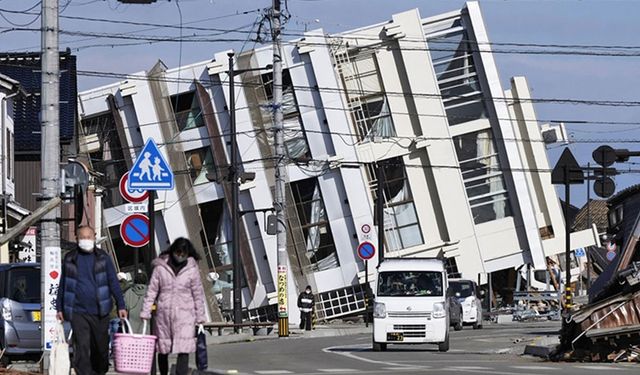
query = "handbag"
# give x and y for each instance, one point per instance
(59, 363)
(201, 349)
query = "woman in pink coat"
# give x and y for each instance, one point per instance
(176, 289)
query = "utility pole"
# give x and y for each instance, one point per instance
(50, 166)
(233, 177)
(281, 175)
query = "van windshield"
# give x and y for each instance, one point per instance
(465, 288)
(410, 283)
(23, 285)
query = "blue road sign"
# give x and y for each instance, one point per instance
(580, 252)
(366, 250)
(150, 171)
(611, 255)
(135, 230)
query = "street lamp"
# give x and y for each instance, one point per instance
(233, 177)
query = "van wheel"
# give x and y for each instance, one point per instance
(379, 347)
(477, 326)
(444, 346)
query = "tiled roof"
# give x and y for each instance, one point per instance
(623, 194)
(598, 211)
(25, 68)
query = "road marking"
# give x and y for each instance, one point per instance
(483, 371)
(337, 370)
(344, 351)
(273, 372)
(598, 368)
(406, 368)
(534, 368)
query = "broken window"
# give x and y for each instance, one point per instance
(452, 59)
(187, 111)
(109, 159)
(219, 256)
(401, 226)
(367, 101)
(200, 162)
(366, 98)
(482, 175)
(320, 248)
(294, 138)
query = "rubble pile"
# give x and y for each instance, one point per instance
(607, 330)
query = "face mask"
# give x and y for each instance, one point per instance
(179, 259)
(308, 291)
(86, 245)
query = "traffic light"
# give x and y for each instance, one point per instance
(605, 156)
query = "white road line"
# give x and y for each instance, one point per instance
(406, 368)
(599, 368)
(539, 368)
(343, 351)
(337, 370)
(272, 372)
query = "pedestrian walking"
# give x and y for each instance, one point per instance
(305, 304)
(134, 299)
(176, 289)
(87, 285)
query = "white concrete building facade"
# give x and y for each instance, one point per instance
(464, 167)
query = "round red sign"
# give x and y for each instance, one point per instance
(135, 196)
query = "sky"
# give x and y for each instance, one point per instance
(551, 76)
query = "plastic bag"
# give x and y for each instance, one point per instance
(59, 363)
(201, 349)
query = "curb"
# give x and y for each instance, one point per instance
(540, 351)
(317, 333)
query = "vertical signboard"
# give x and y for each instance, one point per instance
(27, 253)
(53, 273)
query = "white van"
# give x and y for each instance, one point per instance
(411, 305)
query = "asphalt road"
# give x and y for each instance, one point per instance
(492, 350)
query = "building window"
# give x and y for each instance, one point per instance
(482, 175)
(616, 216)
(365, 93)
(187, 111)
(200, 162)
(294, 137)
(110, 158)
(451, 266)
(320, 248)
(401, 225)
(218, 255)
(452, 59)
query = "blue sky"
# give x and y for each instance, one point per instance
(541, 22)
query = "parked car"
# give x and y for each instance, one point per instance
(468, 294)
(20, 303)
(455, 311)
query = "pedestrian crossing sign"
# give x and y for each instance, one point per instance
(150, 171)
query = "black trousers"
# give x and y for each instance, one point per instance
(305, 320)
(182, 364)
(90, 344)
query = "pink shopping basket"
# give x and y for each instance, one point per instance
(133, 353)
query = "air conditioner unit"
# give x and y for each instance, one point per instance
(89, 143)
(554, 133)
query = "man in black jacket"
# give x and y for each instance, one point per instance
(87, 286)
(305, 304)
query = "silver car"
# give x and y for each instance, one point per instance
(20, 304)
